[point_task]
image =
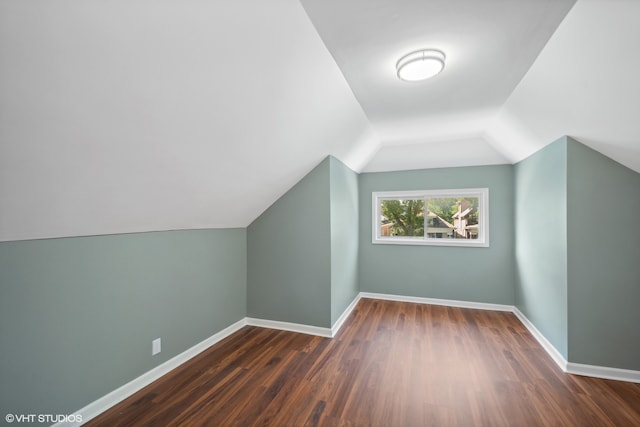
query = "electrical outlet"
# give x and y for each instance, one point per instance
(155, 346)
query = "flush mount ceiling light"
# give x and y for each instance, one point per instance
(420, 65)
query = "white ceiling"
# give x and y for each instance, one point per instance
(489, 46)
(142, 115)
(585, 84)
(122, 116)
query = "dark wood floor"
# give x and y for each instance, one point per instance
(392, 364)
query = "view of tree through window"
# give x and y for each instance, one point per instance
(447, 217)
(403, 217)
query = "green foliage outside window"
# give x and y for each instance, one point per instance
(406, 216)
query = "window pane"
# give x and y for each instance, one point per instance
(456, 217)
(402, 217)
(452, 218)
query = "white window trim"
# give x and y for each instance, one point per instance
(483, 221)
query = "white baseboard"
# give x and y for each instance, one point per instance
(603, 372)
(306, 329)
(336, 326)
(548, 347)
(291, 327)
(97, 407)
(577, 368)
(434, 301)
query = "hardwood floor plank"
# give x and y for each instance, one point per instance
(392, 364)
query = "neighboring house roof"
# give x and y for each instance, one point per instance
(442, 220)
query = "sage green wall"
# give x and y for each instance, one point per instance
(603, 260)
(541, 241)
(289, 255)
(77, 315)
(458, 273)
(344, 237)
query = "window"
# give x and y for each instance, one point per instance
(432, 217)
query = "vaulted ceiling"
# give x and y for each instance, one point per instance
(127, 116)
(489, 46)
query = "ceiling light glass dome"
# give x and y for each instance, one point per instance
(420, 65)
